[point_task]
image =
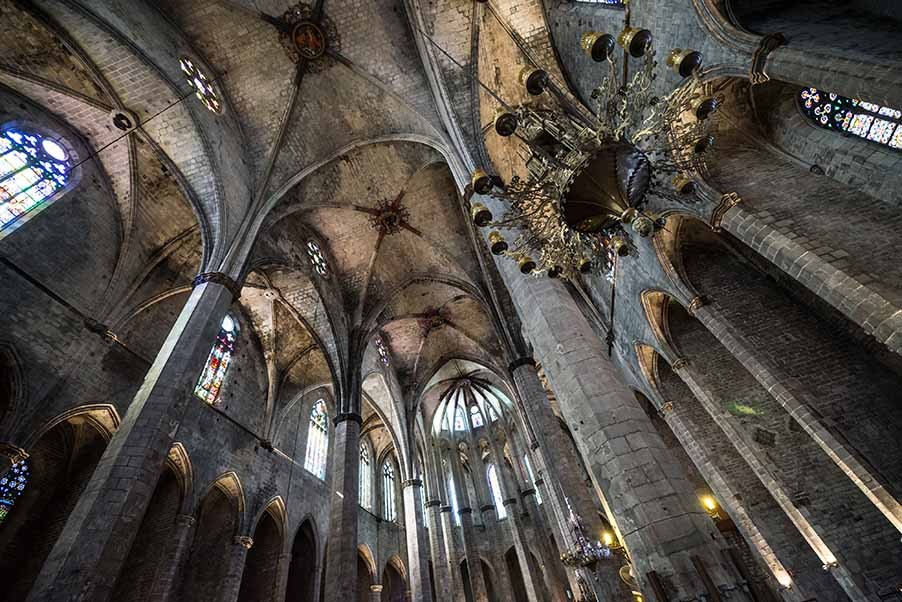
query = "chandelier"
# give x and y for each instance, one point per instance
(589, 179)
(584, 552)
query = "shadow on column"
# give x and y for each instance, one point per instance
(216, 527)
(136, 579)
(302, 570)
(258, 582)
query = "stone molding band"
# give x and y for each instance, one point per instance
(463, 511)
(510, 501)
(520, 362)
(347, 416)
(445, 509)
(433, 503)
(220, 279)
(487, 507)
(529, 491)
(411, 483)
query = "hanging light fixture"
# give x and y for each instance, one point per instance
(588, 181)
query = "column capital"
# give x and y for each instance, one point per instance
(433, 503)
(185, 520)
(510, 501)
(353, 416)
(12, 452)
(445, 509)
(376, 588)
(245, 541)
(487, 507)
(520, 362)
(220, 279)
(411, 483)
(463, 511)
(530, 491)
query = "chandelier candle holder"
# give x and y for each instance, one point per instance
(589, 181)
(584, 552)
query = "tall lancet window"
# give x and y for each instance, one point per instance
(389, 512)
(366, 478)
(317, 440)
(864, 119)
(495, 485)
(32, 170)
(455, 509)
(532, 477)
(209, 385)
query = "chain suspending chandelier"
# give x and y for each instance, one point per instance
(590, 179)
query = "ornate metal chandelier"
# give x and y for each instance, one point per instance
(584, 553)
(589, 180)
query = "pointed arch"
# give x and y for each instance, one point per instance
(180, 464)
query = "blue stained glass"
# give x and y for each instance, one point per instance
(863, 119)
(32, 169)
(12, 484)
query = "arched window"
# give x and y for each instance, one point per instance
(459, 421)
(452, 493)
(532, 477)
(388, 492)
(383, 351)
(209, 385)
(317, 440)
(365, 479)
(476, 416)
(316, 259)
(500, 510)
(32, 170)
(864, 119)
(12, 484)
(203, 87)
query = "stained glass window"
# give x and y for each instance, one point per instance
(388, 492)
(500, 510)
(203, 87)
(532, 477)
(12, 484)
(452, 493)
(317, 440)
(383, 351)
(476, 416)
(209, 385)
(864, 119)
(365, 480)
(32, 170)
(317, 259)
(459, 420)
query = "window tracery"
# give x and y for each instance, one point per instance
(209, 385)
(317, 440)
(317, 260)
(476, 416)
(203, 87)
(365, 478)
(388, 492)
(864, 119)
(32, 169)
(12, 484)
(497, 497)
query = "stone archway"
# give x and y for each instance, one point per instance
(302, 570)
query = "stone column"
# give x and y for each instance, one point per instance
(417, 553)
(88, 555)
(282, 577)
(166, 581)
(530, 571)
(341, 566)
(465, 511)
(437, 549)
(451, 557)
(231, 585)
(672, 541)
(376, 593)
(10, 454)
